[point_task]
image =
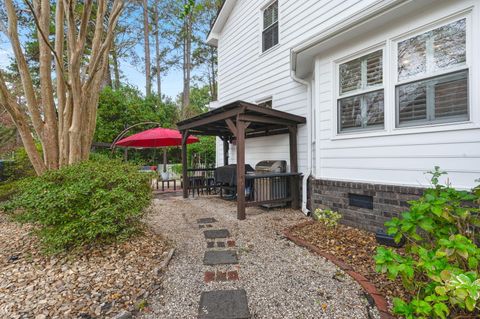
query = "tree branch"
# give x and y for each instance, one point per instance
(47, 42)
(23, 69)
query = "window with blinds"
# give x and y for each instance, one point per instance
(361, 96)
(433, 77)
(270, 27)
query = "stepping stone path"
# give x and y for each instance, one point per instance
(221, 304)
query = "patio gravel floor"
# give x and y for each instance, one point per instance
(281, 279)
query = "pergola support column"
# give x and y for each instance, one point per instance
(240, 130)
(185, 135)
(292, 130)
(225, 151)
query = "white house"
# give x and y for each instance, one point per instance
(390, 89)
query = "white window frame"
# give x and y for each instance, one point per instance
(390, 80)
(431, 73)
(265, 6)
(361, 91)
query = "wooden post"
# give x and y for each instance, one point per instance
(184, 163)
(241, 170)
(294, 166)
(225, 151)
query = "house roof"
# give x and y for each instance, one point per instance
(263, 121)
(220, 20)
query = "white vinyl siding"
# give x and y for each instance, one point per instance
(395, 155)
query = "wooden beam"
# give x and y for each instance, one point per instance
(294, 187)
(240, 170)
(275, 113)
(265, 119)
(231, 126)
(210, 119)
(185, 135)
(226, 147)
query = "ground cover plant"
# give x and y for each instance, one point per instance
(100, 200)
(440, 265)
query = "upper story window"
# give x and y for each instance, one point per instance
(270, 27)
(361, 95)
(432, 77)
(267, 104)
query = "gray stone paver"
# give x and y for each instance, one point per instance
(207, 220)
(220, 257)
(216, 233)
(224, 304)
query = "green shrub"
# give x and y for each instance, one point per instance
(440, 266)
(8, 190)
(95, 201)
(327, 217)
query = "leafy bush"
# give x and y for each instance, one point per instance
(327, 217)
(440, 266)
(13, 171)
(95, 201)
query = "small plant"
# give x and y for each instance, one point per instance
(440, 266)
(327, 217)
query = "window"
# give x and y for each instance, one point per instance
(267, 104)
(433, 77)
(270, 27)
(361, 97)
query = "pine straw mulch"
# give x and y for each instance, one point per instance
(354, 247)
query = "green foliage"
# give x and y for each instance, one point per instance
(13, 171)
(203, 152)
(440, 265)
(119, 109)
(177, 169)
(92, 202)
(327, 217)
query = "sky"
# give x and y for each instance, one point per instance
(172, 83)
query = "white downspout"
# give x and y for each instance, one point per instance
(307, 174)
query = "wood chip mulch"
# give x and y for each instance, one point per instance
(354, 247)
(97, 282)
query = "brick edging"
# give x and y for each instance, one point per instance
(379, 299)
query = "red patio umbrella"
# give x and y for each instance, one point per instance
(155, 138)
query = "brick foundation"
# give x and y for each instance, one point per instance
(388, 201)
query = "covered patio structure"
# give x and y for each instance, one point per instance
(238, 121)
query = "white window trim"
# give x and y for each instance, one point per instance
(338, 96)
(391, 77)
(261, 29)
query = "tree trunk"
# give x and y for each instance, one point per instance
(116, 69)
(213, 74)
(187, 64)
(148, 79)
(157, 52)
(64, 125)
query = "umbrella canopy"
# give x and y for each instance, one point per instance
(155, 137)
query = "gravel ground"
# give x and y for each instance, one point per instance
(281, 279)
(93, 283)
